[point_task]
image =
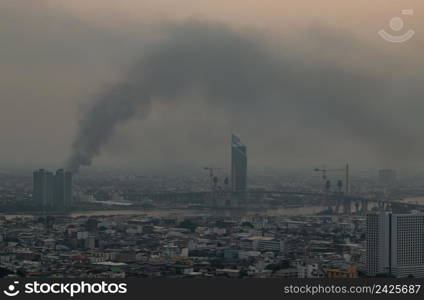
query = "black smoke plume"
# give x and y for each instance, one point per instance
(240, 73)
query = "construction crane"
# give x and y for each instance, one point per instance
(327, 184)
(324, 171)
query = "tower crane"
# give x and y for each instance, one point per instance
(324, 171)
(326, 183)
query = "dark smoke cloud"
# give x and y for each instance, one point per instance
(243, 75)
(115, 105)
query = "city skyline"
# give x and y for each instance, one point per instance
(212, 139)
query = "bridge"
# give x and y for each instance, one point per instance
(337, 202)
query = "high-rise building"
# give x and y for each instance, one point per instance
(68, 189)
(62, 190)
(387, 176)
(238, 164)
(395, 244)
(52, 191)
(43, 187)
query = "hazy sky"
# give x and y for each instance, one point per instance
(358, 98)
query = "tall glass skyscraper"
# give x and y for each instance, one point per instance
(238, 164)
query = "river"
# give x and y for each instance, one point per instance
(295, 211)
